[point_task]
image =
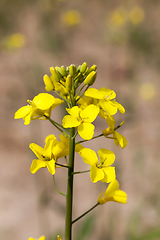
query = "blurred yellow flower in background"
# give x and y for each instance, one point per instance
(71, 18)
(118, 18)
(147, 91)
(14, 41)
(136, 15)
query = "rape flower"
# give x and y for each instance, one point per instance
(118, 18)
(71, 18)
(41, 238)
(14, 41)
(59, 238)
(41, 105)
(106, 99)
(100, 170)
(118, 138)
(113, 193)
(136, 15)
(48, 156)
(82, 120)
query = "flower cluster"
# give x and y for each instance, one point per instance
(84, 105)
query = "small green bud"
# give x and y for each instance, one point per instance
(72, 70)
(69, 83)
(91, 77)
(83, 67)
(93, 68)
(55, 75)
(63, 71)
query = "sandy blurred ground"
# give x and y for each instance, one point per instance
(39, 34)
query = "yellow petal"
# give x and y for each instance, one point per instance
(96, 174)
(86, 130)
(89, 156)
(118, 106)
(22, 112)
(59, 238)
(120, 139)
(70, 121)
(51, 166)
(108, 93)
(90, 113)
(38, 151)
(107, 157)
(109, 174)
(108, 107)
(36, 165)
(94, 93)
(43, 101)
(74, 111)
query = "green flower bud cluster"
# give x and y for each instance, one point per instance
(64, 79)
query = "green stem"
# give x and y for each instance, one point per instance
(61, 165)
(57, 188)
(55, 124)
(65, 99)
(85, 213)
(81, 172)
(89, 139)
(69, 197)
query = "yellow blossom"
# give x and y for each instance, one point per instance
(118, 18)
(71, 18)
(82, 120)
(118, 138)
(41, 105)
(14, 41)
(100, 170)
(106, 99)
(136, 15)
(59, 238)
(113, 193)
(48, 156)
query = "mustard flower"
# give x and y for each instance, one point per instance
(119, 139)
(48, 156)
(82, 120)
(41, 105)
(59, 238)
(100, 170)
(41, 238)
(106, 99)
(113, 193)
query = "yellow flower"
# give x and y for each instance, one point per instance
(100, 170)
(113, 193)
(118, 18)
(82, 120)
(13, 41)
(41, 105)
(106, 99)
(71, 18)
(48, 156)
(41, 238)
(136, 15)
(118, 138)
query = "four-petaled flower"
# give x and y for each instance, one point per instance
(106, 99)
(47, 156)
(100, 170)
(113, 193)
(40, 107)
(82, 120)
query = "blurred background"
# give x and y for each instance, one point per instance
(122, 39)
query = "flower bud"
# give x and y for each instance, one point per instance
(72, 70)
(91, 77)
(83, 67)
(69, 83)
(55, 74)
(93, 68)
(48, 83)
(63, 71)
